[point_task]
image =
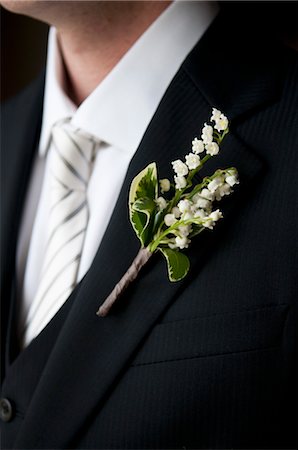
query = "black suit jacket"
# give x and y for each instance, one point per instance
(208, 362)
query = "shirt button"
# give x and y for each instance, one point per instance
(6, 410)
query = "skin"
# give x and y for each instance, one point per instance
(93, 35)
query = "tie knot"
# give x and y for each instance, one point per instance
(72, 157)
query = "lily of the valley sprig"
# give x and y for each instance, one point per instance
(167, 223)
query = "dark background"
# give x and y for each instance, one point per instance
(23, 40)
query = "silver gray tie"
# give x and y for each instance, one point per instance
(71, 159)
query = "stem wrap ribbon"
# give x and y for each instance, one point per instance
(140, 260)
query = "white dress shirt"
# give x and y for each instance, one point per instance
(117, 112)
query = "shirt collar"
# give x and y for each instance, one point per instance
(119, 110)
(56, 105)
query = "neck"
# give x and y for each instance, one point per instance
(94, 44)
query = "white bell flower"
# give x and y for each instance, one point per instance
(217, 195)
(200, 213)
(212, 149)
(215, 115)
(205, 193)
(180, 182)
(216, 215)
(184, 206)
(187, 215)
(165, 185)
(222, 123)
(176, 212)
(197, 146)
(180, 168)
(202, 203)
(192, 161)
(169, 219)
(184, 230)
(182, 242)
(161, 203)
(207, 134)
(209, 222)
(225, 189)
(232, 180)
(214, 184)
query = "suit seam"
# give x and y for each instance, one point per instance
(210, 355)
(224, 313)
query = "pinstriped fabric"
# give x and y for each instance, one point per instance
(70, 160)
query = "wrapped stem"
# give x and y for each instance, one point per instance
(140, 260)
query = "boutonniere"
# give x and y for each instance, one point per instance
(167, 215)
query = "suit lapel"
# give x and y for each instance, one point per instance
(21, 120)
(91, 353)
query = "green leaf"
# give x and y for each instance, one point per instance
(158, 218)
(178, 264)
(143, 192)
(144, 204)
(145, 184)
(138, 221)
(146, 208)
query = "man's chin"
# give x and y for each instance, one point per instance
(32, 8)
(18, 6)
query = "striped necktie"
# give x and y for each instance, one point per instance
(71, 159)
